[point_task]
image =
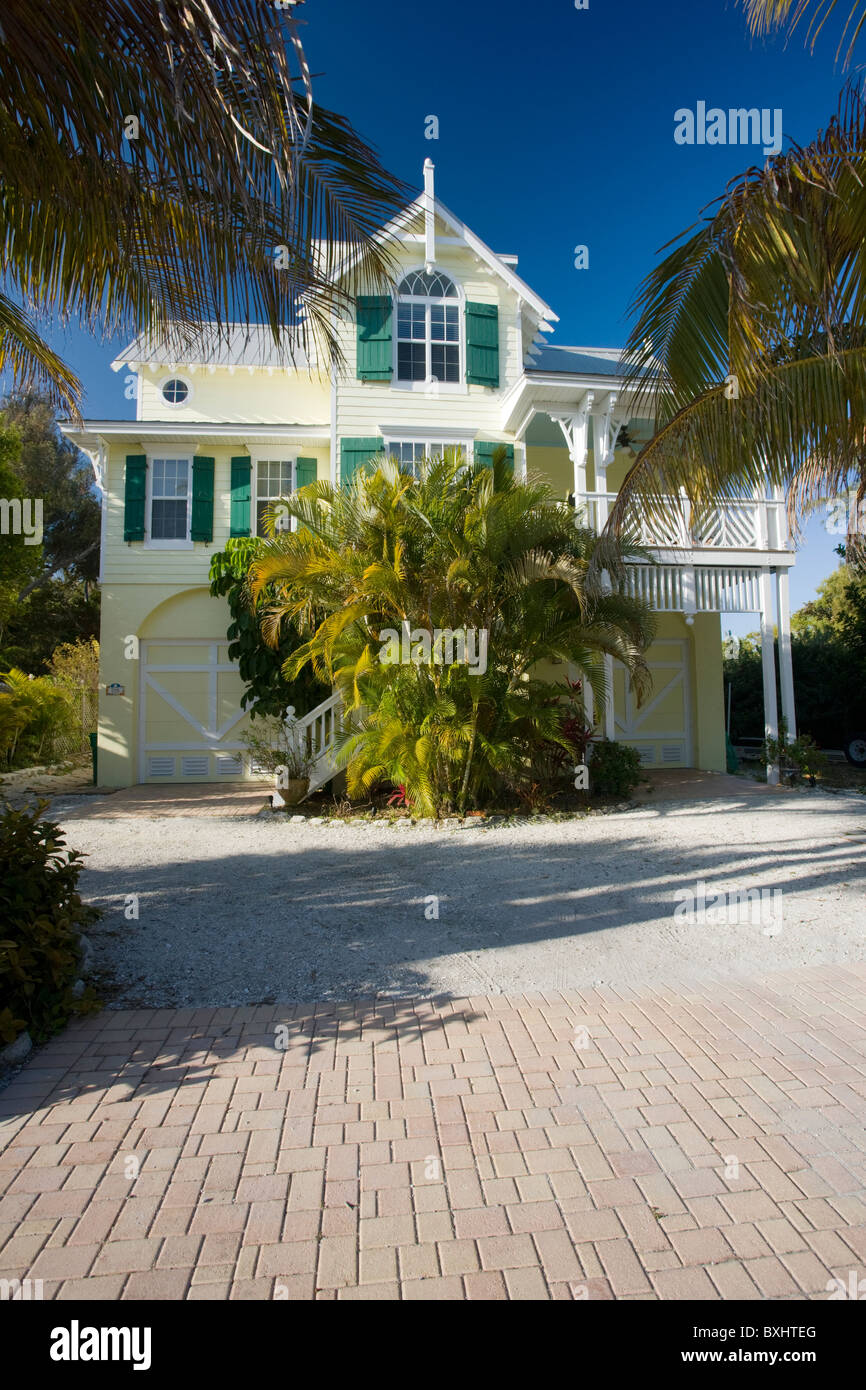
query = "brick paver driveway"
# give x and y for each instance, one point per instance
(561, 1146)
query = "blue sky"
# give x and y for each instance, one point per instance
(555, 130)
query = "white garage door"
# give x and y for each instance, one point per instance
(189, 712)
(661, 729)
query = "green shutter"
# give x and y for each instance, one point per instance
(483, 453)
(305, 472)
(482, 344)
(373, 313)
(239, 524)
(134, 494)
(201, 528)
(355, 452)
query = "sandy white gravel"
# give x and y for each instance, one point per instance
(247, 910)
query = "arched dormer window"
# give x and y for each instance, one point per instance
(428, 328)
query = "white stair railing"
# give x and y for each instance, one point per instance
(314, 735)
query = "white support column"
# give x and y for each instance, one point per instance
(768, 666)
(588, 698)
(689, 593)
(608, 711)
(520, 460)
(600, 427)
(786, 666)
(609, 727)
(762, 538)
(579, 435)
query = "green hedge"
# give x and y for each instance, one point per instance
(42, 918)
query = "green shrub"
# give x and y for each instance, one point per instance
(615, 769)
(42, 919)
(35, 713)
(797, 758)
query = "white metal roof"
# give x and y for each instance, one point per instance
(232, 345)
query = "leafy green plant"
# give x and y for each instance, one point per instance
(796, 758)
(43, 917)
(461, 549)
(35, 713)
(268, 693)
(615, 769)
(274, 746)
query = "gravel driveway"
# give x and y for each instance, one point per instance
(265, 909)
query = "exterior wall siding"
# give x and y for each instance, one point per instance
(366, 408)
(240, 397)
(135, 563)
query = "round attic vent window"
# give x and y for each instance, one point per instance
(175, 391)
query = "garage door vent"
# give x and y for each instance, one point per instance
(672, 753)
(160, 767)
(195, 767)
(647, 754)
(229, 767)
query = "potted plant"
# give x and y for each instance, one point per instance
(278, 750)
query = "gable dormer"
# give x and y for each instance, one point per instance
(458, 315)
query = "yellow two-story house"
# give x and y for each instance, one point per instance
(456, 354)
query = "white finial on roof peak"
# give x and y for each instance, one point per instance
(429, 215)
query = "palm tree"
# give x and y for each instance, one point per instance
(767, 15)
(749, 346)
(163, 163)
(461, 549)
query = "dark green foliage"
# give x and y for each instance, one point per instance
(828, 648)
(51, 467)
(615, 769)
(63, 610)
(55, 597)
(42, 918)
(268, 692)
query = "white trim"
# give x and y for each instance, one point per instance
(469, 239)
(176, 405)
(196, 748)
(430, 383)
(186, 543)
(421, 433)
(333, 434)
(426, 439)
(165, 431)
(786, 669)
(768, 670)
(258, 457)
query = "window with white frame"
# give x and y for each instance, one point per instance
(410, 452)
(275, 478)
(175, 391)
(169, 499)
(428, 328)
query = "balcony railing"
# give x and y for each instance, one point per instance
(744, 524)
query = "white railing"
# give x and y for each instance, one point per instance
(744, 524)
(314, 735)
(695, 589)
